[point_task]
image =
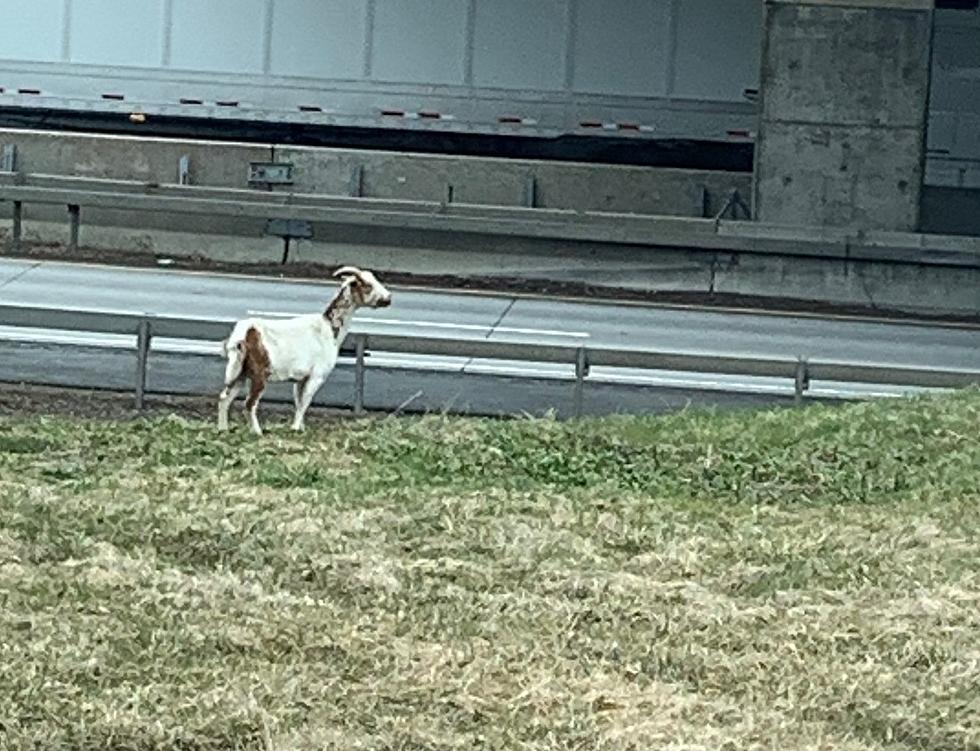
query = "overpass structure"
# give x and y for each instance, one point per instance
(820, 122)
(875, 86)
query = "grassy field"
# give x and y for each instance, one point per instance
(789, 580)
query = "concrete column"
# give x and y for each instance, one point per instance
(844, 91)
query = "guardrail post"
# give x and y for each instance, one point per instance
(530, 197)
(360, 344)
(581, 371)
(801, 380)
(74, 221)
(142, 356)
(17, 229)
(8, 157)
(184, 170)
(356, 184)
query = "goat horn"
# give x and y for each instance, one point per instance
(348, 271)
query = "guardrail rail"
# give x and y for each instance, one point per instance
(800, 370)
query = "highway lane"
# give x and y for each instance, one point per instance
(499, 317)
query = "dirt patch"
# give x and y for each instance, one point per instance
(20, 400)
(495, 284)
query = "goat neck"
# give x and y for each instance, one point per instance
(340, 312)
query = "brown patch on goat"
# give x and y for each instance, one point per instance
(255, 366)
(342, 306)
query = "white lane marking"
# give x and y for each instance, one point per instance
(439, 325)
(476, 327)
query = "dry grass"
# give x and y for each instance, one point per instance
(792, 580)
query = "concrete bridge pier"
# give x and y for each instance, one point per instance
(842, 132)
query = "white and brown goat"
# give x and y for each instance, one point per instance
(303, 349)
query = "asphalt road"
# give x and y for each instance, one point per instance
(435, 383)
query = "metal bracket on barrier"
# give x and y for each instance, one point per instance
(8, 158)
(356, 188)
(703, 201)
(17, 227)
(74, 226)
(732, 205)
(530, 192)
(184, 170)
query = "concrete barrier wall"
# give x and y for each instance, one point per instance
(155, 233)
(124, 158)
(407, 176)
(501, 182)
(632, 190)
(506, 182)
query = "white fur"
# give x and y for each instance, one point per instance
(300, 349)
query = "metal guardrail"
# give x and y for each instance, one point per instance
(557, 224)
(359, 344)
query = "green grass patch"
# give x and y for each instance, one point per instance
(798, 579)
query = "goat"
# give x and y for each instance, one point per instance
(303, 349)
